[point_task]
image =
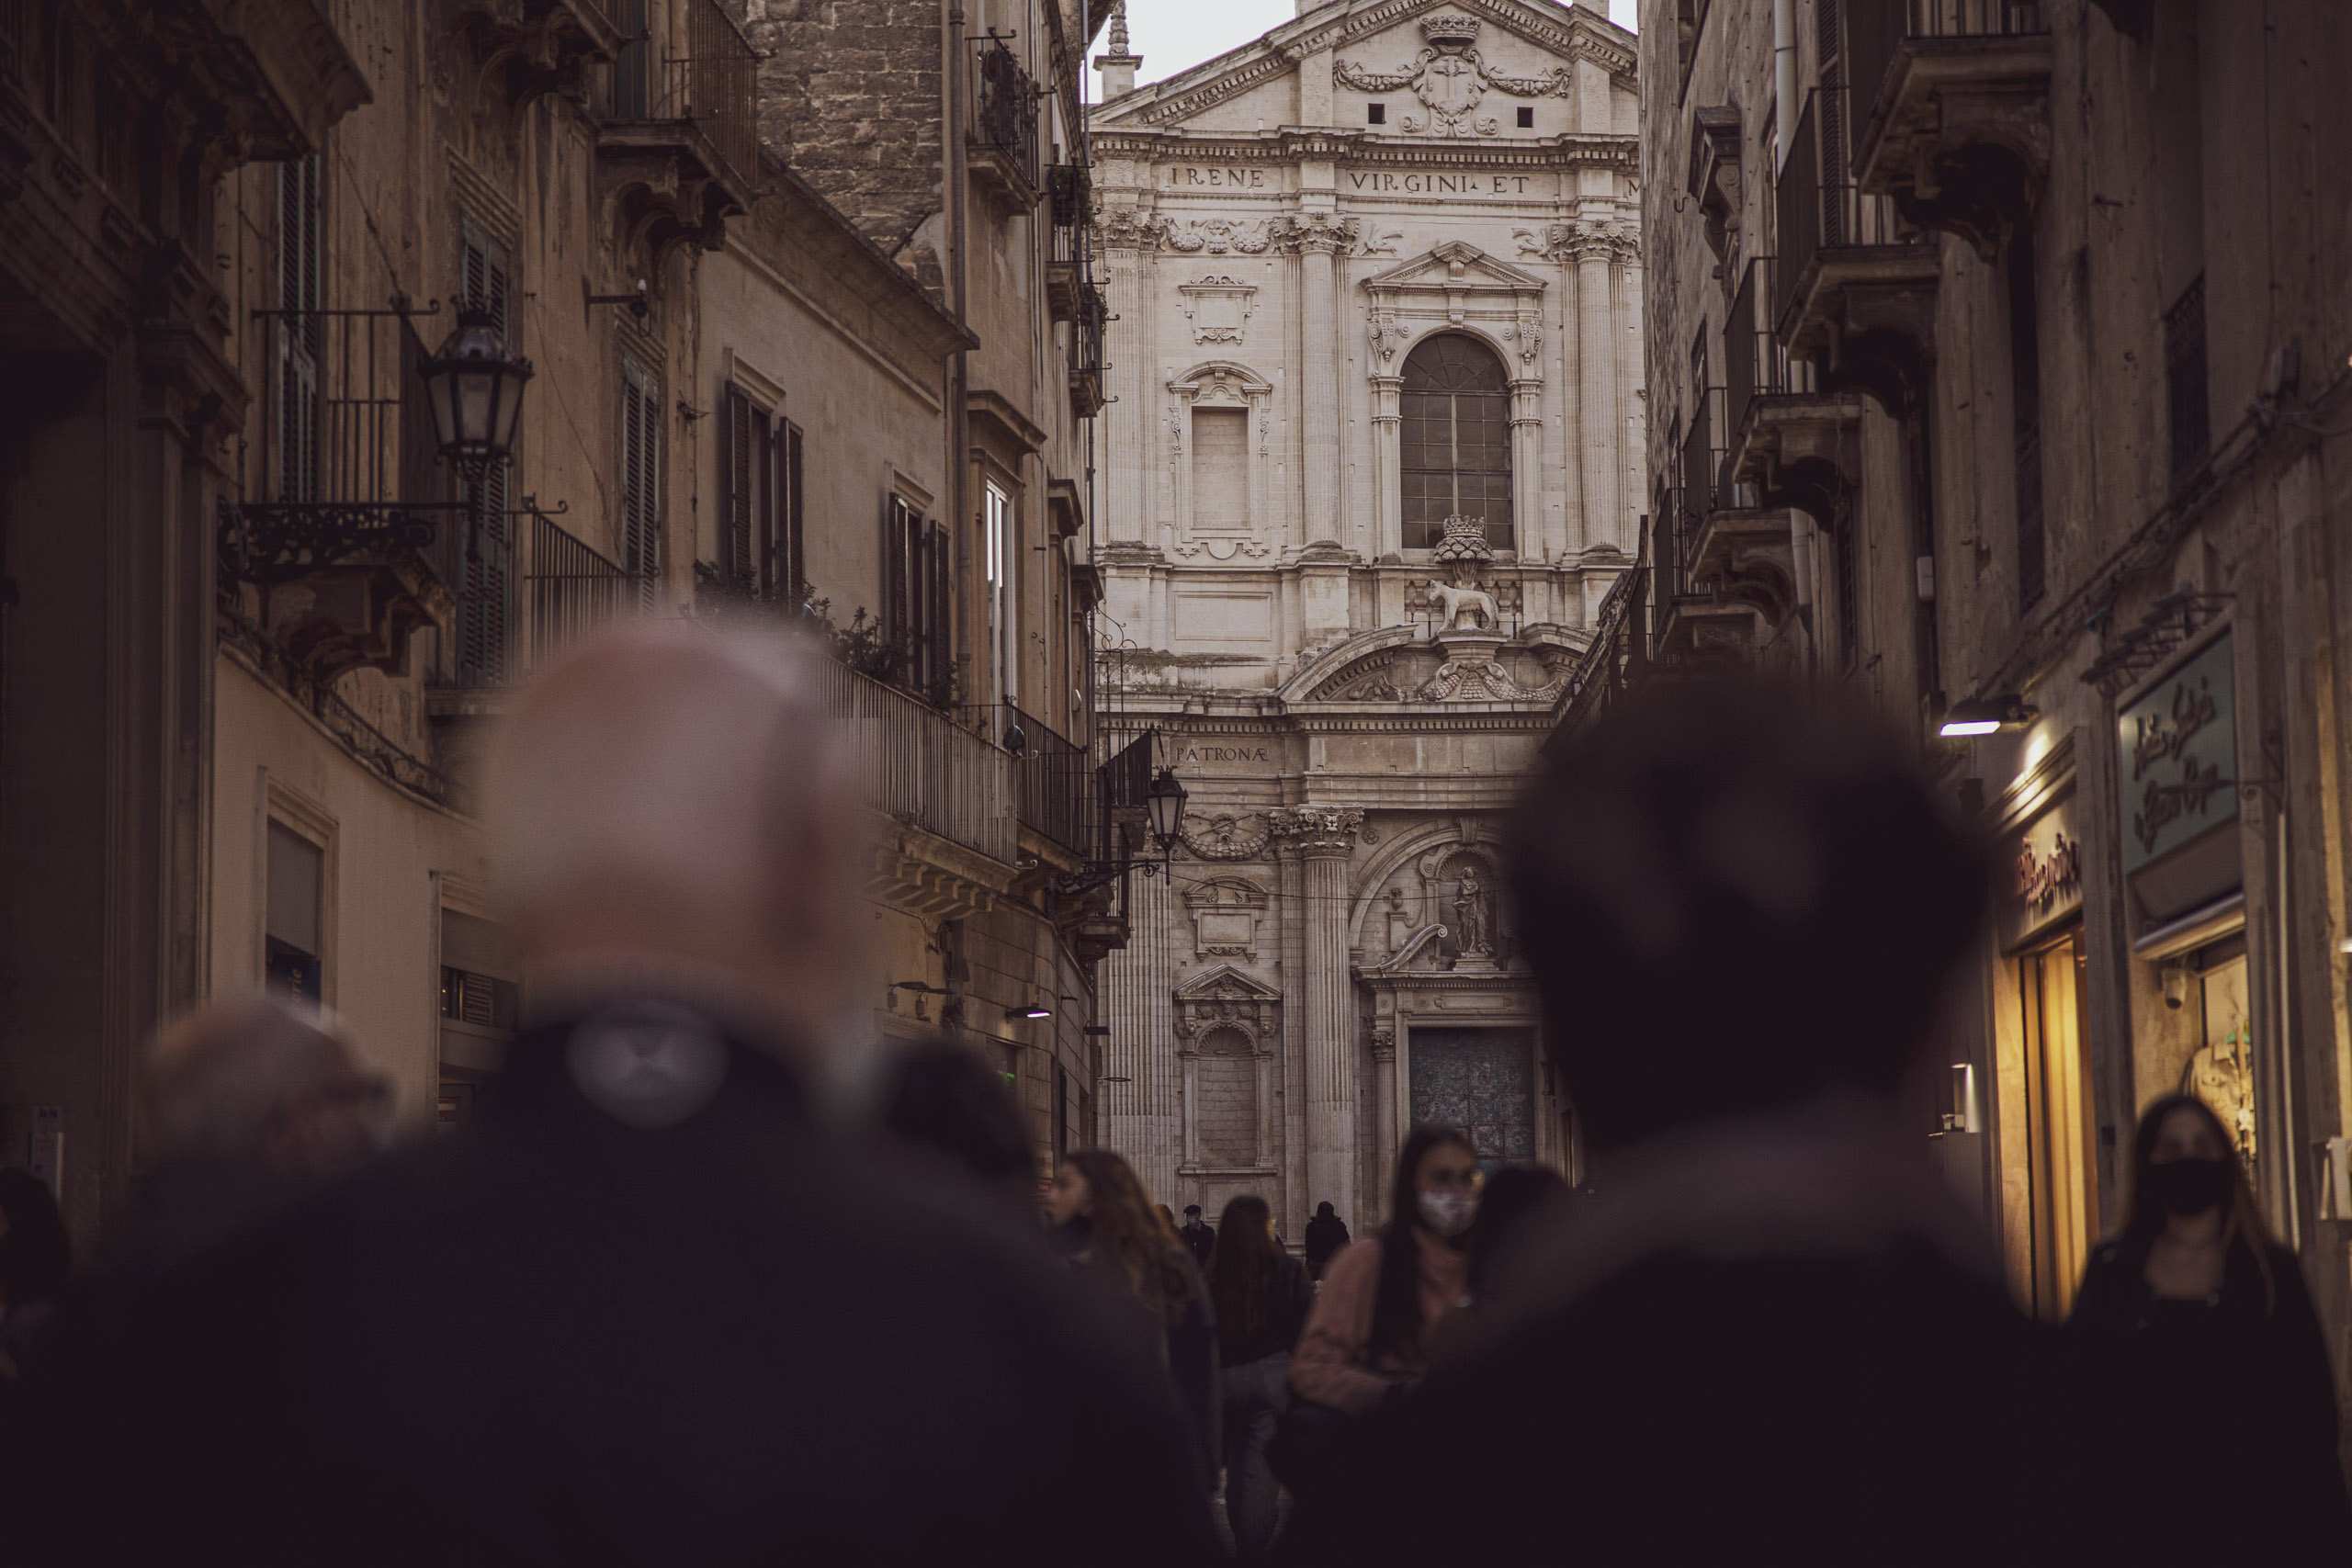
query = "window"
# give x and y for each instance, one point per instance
(1220, 468)
(640, 488)
(483, 542)
(2185, 379)
(2025, 418)
(293, 947)
(300, 281)
(1376, 114)
(1527, 117)
(481, 1005)
(1455, 441)
(915, 598)
(760, 552)
(1001, 553)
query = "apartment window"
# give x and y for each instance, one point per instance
(302, 220)
(294, 946)
(1000, 545)
(641, 486)
(1455, 440)
(633, 64)
(761, 553)
(480, 1006)
(915, 597)
(2185, 379)
(1221, 468)
(1376, 114)
(480, 543)
(2025, 419)
(1526, 117)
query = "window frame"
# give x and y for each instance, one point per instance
(1502, 534)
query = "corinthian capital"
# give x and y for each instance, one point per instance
(1330, 232)
(1316, 830)
(1131, 229)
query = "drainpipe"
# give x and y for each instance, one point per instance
(1784, 76)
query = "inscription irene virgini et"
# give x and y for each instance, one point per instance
(1466, 183)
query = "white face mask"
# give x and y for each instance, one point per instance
(1448, 1212)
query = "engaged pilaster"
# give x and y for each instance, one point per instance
(1323, 840)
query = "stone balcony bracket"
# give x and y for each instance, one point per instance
(1801, 449)
(664, 185)
(1865, 316)
(534, 47)
(1743, 553)
(1713, 181)
(1003, 181)
(1960, 137)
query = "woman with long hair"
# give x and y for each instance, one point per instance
(1262, 1294)
(1367, 1335)
(2204, 1344)
(1106, 1223)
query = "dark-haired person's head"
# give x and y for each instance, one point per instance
(945, 1100)
(35, 1254)
(1324, 1210)
(1734, 896)
(1510, 1196)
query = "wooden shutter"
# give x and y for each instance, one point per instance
(768, 465)
(896, 610)
(300, 276)
(641, 518)
(795, 519)
(739, 558)
(941, 634)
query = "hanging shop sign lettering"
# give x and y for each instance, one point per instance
(2179, 757)
(2043, 871)
(1466, 183)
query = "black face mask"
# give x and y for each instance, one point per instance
(2190, 1186)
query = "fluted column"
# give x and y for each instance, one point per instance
(1323, 840)
(1597, 256)
(1129, 235)
(1316, 238)
(1384, 1109)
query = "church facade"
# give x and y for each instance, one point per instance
(1371, 469)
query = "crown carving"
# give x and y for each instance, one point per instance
(1450, 30)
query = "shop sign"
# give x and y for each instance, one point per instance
(2041, 873)
(2179, 757)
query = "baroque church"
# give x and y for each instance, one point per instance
(1373, 464)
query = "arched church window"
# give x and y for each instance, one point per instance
(1455, 440)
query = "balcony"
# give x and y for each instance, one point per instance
(1055, 789)
(1066, 269)
(1001, 149)
(950, 793)
(679, 143)
(529, 591)
(1788, 444)
(1087, 393)
(542, 45)
(1952, 101)
(1854, 289)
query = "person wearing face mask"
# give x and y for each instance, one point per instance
(2198, 1330)
(1382, 1296)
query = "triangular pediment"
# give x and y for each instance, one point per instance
(1373, 31)
(1455, 266)
(1224, 982)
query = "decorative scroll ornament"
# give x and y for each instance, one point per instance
(1220, 236)
(1450, 79)
(1470, 675)
(1222, 836)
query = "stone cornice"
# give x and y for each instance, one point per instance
(1293, 144)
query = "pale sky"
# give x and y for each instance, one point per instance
(1176, 34)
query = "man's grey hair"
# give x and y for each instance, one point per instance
(217, 1085)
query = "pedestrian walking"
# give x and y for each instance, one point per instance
(1325, 1234)
(1106, 1226)
(1739, 906)
(2202, 1337)
(1198, 1235)
(1262, 1296)
(651, 1306)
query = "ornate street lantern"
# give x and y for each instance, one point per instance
(1165, 800)
(474, 388)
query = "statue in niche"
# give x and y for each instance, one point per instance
(1472, 915)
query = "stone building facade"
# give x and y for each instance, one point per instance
(1997, 372)
(253, 632)
(1373, 463)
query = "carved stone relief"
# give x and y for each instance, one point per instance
(1450, 79)
(1219, 307)
(1225, 836)
(1226, 911)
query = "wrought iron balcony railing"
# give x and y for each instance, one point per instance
(686, 61)
(1820, 208)
(919, 767)
(1875, 32)
(1005, 115)
(1055, 782)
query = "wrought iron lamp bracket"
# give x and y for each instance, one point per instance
(1068, 884)
(269, 542)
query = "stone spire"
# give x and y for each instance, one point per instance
(1118, 62)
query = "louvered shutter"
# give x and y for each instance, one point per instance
(1829, 34)
(740, 563)
(640, 481)
(939, 638)
(795, 519)
(767, 468)
(895, 608)
(300, 280)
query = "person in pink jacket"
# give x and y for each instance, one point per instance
(1382, 1296)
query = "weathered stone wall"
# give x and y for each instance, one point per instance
(851, 96)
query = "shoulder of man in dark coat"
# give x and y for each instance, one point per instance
(560, 1338)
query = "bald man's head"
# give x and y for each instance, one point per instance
(675, 805)
(257, 1081)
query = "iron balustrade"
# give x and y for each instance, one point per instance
(919, 767)
(1073, 209)
(688, 60)
(1054, 783)
(1702, 464)
(1819, 206)
(1006, 110)
(1756, 364)
(1875, 32)
(570, 588)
